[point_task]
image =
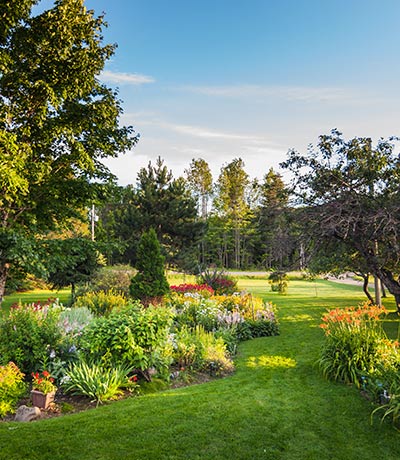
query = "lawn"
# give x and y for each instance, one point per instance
(276, 405)
(33, 296)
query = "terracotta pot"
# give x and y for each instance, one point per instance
(41, 400)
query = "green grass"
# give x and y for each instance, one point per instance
(33, 296)
(276, 406)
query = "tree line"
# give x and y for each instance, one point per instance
(234, 222)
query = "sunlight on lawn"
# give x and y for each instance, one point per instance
(270, 361)
(297, 318)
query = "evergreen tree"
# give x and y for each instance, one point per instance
(161, 202)
(150, 283)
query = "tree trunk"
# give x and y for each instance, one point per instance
(3, 278)
(383, 290)
(392, 285)
(365, 277)
(204, 206)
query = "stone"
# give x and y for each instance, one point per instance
(27, 414)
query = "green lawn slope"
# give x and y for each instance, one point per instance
(276, 405)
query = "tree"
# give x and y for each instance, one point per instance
(275, 239)
(336, 257)
(150, 283)
(72, 261)
(200, 181)
(57, 121)
(163, 203)
(350, 192)
(230, 200)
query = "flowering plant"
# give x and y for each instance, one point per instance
(43, 382)
(203, 289)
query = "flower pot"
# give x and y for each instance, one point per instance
(42, 400)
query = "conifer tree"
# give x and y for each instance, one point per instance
(150, 283)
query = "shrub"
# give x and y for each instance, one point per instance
(133, 338)
(230, 338)
(12, 388)
(279, 282)
(354, 343)
(186, 353)
(262, 328)
(29, 333)
(101, 303)
(201, 350)
(96, 381)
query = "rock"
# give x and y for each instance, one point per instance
(27, 414)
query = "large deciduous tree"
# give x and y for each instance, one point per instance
(350, 191)
(57, 121)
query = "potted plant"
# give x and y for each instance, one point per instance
(43, 389)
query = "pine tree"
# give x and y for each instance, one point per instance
(150, 283)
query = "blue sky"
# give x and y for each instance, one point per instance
(231, 78)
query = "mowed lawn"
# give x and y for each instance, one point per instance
(275, 406)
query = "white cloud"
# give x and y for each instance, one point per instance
(198, 131)
(290, 93)
(125, 78)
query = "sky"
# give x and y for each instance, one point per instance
(223, 79)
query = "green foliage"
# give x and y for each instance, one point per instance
(157, 201)
(251, 329)
(349, 192)
(28, 334)
(199, 178)
(96, 381)
(201, 350)
(279, 282)
(101, 303)
(54, 132)
(19, 254)
(72, 261)
(12, 388)
(116, 278)
(133, 338)
(150, 282)
(354, 343)
(388, 394)
(197, 311)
